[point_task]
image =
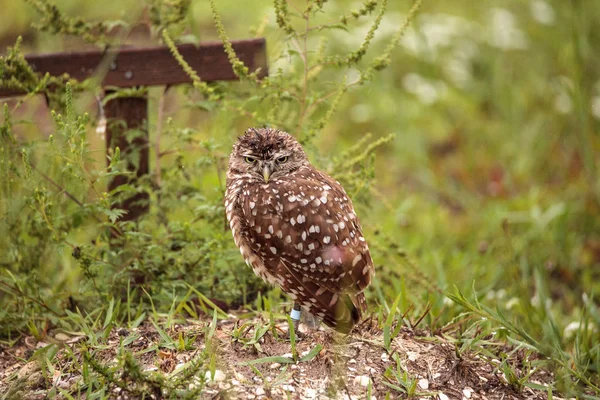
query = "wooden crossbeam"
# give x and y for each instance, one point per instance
(150, 66)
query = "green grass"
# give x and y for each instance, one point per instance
(472, 160)
(399, 380)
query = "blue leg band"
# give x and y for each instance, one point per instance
(295, 314)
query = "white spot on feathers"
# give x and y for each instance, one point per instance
(334, 300)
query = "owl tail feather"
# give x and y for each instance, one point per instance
(348, 311)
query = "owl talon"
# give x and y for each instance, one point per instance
(311, 322)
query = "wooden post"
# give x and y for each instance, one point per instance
(124, 115)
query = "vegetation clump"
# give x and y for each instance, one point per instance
(470, 160)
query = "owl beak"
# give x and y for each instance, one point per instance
(266, 173)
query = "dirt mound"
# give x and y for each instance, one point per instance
(254, 361)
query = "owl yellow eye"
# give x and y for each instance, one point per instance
(281, 160)
(250, 160)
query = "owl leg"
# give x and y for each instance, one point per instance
(295, 316)
(311, 321)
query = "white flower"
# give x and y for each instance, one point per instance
(426, 91)
(542, 12)
(504, 32)
(514, 301)
(361, 113)
(563, 103)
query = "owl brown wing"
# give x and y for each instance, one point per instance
(307, 221)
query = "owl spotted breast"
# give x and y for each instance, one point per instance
(296, 227)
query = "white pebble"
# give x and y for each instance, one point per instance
(288, 388)
(467, 392)
(362, 380)
(219, 376)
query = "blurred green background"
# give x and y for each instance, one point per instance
(491, 181)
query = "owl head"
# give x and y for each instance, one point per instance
(266, 154)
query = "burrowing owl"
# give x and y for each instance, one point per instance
(296, 227)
